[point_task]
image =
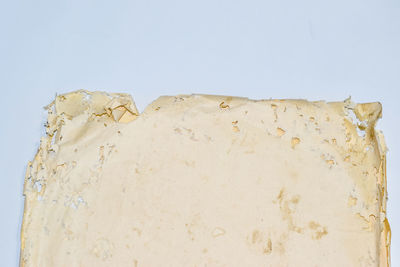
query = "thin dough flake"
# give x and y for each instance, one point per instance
(206, 180)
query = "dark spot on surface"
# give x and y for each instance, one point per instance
(280, 196)
(280, 131)
(287, 207)
(260, 242)
(318, 230)
(223, 105)
(295, 141)
(255, 236)
(295, 199)
(268, 248)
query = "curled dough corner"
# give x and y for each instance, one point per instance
(118, 106)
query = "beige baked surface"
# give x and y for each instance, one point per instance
(200, 180)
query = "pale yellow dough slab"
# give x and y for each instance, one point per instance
(201, 180)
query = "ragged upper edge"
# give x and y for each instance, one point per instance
(222, 102)
(364, 117)
(182, 100)
(113, 107)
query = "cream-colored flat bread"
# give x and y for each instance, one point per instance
(201, 180)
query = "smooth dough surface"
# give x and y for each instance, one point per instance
(206, 180)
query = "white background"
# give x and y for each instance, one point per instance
(259, 49)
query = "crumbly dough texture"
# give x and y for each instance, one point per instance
(206, 180)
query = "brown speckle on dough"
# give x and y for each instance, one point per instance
(318, 230)
(330, 162)
(280, 131)
(295, 142)
(223, 105)
(268, 248)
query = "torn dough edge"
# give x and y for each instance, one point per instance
(120, 108)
